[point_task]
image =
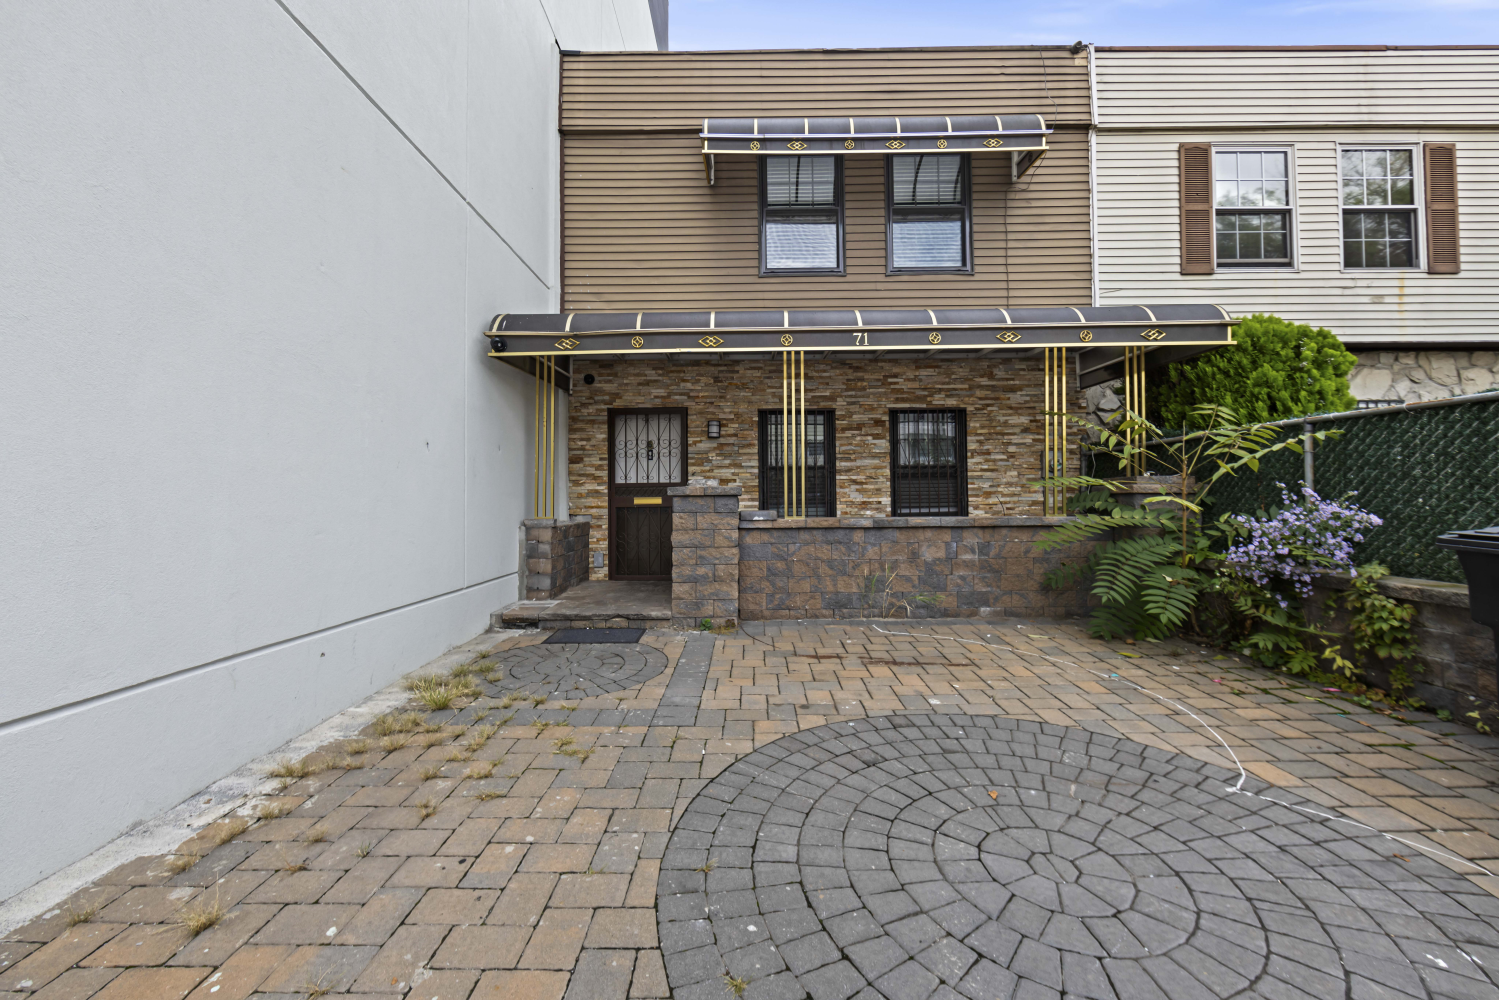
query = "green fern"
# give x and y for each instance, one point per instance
(1151, 563)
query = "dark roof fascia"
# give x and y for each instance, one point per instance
(1291, 48)
(574, 54)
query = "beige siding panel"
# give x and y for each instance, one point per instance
(1202, 89)
(677, 90)
(643, 230)
(1139, 241)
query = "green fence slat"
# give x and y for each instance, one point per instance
(1424, 472)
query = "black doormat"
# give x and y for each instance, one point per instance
(595, 635)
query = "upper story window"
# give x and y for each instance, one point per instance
(929, 213)
(1252, 207)
(1379, 207)
(801, 214)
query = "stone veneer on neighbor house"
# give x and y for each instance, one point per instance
(1396, 376)
(1419, 376)
(1002, 396)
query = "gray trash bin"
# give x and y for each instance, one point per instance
(1478, 551)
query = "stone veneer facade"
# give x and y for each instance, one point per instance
(1002, 396)
(852, 567)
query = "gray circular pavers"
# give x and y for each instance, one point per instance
(577, 670)
(925, 856)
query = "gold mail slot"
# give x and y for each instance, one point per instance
(641, 500)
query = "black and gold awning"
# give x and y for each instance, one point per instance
(1174, 331)
(844, 136)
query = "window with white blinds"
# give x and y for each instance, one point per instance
(801, 214)
(929, 212)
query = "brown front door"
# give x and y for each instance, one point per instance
(647, 453)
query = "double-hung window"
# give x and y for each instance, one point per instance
(801, 215)
(928, 462)
(1379, 207)
(1252, 207)
(929, 213)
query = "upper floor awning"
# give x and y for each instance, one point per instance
(1102, 333)
(844, 136)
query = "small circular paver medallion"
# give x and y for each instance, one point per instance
(576, 670)
(925, 856)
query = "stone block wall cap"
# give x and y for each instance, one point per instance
(704, 491)
(1140, 484)
(538, 522)
(582, 519)
(813, 523)
(1405, 588)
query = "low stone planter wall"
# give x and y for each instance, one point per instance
(1455, 652)
(556, 555)
(862, 567)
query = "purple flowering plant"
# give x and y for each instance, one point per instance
(1305, 536)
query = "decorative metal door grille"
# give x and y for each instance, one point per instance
(648, 447)
(647, 454)
(928, 462)
(821, 463)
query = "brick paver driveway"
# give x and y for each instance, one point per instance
(966, 809)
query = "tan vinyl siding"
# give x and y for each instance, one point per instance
(1139, 240)
(645, 231)
(672, 90)
(1208, 88)
(642, 229)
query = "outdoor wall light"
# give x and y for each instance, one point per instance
(588, 379)
(714, 429)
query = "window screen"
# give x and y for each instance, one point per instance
(801, 213)
(1379, 215)
(928, 462)
(929, 218)
(1251, 207)
(819, 467)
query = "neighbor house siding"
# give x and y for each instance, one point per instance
(642, 228)
(1214, 87)
(1150, 103)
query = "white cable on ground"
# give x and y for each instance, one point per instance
(1236, 789)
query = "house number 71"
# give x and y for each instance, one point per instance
(861, 339)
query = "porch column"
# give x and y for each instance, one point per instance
(704, 553)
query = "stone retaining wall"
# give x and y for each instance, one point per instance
(556, 555)
(1456, 652)
(853, 567)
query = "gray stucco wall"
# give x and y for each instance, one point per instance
(255, 463)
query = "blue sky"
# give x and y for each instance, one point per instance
(754, 24)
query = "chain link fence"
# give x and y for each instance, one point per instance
(1423, 470)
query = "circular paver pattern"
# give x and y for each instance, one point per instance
(927, 856)
(576, 670)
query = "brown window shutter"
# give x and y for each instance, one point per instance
(1441, 209)
(1197, 207)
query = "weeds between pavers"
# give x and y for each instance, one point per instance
(199, 916)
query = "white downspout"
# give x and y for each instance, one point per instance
(1093, 171)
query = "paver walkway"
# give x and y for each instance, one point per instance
(521, 855)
